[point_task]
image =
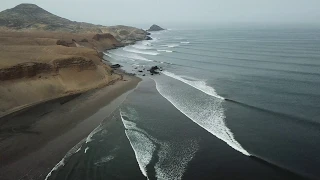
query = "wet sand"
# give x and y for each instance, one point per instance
(34, 140)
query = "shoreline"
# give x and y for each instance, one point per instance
(41, 135)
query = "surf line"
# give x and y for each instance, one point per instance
(213, 122)
(200, 85)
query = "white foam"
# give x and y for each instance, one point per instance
(131, 56)
(162, 50)
(104, 160)
(78, 150)
(89, 138)
(185, 42)
(146, 43)
(142, 146)
(170, 45)
(174, 155)
(56, 167)
(204, 110)
(140, 46)
(174, 158)
(200, 85)
(152, 53)
(61, 163)
(87, 148)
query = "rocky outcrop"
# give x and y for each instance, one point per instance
(99, 37)
(24, 70)
(79, 63)
(115, 66)
(63, 43)
(105, 41)
(155, 28)
(154, 70)
(31, 69)
(127, 35)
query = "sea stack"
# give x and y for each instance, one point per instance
(155, 28)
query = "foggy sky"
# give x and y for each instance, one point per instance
(132, 12)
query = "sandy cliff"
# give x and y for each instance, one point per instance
(33, 68)
(44, 56)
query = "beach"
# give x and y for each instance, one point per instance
(35, 139)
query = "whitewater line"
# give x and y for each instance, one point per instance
(209, 119)
(62, 162)
(143, 150)
(200, 85)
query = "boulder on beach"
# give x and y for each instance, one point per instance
(155, 28)
(153, 70)
(115, 66)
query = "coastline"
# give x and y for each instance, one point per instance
(49, 130)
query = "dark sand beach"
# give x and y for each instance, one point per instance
(37, 138)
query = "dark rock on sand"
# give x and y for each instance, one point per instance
(63, 43)
(153, 70)
(155, 28)
(115, 66)
(148, 38)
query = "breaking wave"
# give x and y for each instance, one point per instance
(142, 146)
(162, 50)
(104, 160)
(61, 163)
(173, 155)
(141, 46)
(131, 56)
(204, 110)
(140, 52)
(170, 45)
(97, 129)
(174, 158)
(185, 42)
(198, 84)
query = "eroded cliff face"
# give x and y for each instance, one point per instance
(44, 56)
(34, 69)
(23, 70)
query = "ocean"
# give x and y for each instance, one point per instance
(230, 103)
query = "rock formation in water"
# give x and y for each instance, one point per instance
(155, 28)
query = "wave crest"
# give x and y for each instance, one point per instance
(206, 111)
(200, 85)
(140, 52)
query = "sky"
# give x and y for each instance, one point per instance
(145, 12)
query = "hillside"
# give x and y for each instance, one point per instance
(44, 56)
(32, 17)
